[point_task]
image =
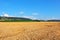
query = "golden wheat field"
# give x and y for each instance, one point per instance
(29, 30)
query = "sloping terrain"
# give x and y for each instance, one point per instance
(29, 30)
(14, 19)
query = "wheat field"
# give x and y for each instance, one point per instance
(29, 30)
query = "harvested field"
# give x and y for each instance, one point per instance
(29, 30)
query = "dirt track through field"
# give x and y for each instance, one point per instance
(29, 30)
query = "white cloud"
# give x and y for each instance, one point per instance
(26, 16)
(54, 18)
(21, 12)
(35, 14)
(31, 17)
(5, 14)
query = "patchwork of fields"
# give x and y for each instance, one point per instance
(29, 30)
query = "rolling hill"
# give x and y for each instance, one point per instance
(15, 19)
(21, 19)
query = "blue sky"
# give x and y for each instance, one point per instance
(35, 9)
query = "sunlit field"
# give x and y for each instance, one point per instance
(29, 30)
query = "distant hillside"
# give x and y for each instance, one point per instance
(21, 19)
(15, 19)
(53, 20)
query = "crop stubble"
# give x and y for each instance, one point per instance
(29, 30)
